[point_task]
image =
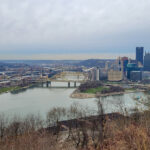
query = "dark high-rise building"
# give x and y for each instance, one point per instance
(131, 67)
(139, 54)
(147, 62)
(136, 75)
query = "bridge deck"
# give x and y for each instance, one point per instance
(52, 80)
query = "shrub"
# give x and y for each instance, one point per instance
(90, 84)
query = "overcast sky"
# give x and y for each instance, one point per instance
(50, 27)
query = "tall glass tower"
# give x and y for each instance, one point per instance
(139, 54)
(147, 62)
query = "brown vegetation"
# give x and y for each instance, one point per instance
(78, 130)
(112, 89)
(102, 88)
(89, 84)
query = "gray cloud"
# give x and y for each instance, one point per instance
(62, 26)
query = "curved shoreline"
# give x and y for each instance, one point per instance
(79, 95)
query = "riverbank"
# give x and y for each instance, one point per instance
(13, 89)
(77, 94)
(8, 89)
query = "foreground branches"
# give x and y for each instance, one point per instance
(76, 128)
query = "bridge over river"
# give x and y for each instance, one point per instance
(72, 79)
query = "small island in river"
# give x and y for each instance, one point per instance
(93, 89)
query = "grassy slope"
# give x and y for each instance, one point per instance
(7, 89)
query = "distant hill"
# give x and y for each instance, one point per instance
(86, 63)
(39, 62)
(94, 62)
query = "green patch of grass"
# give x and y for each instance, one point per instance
(112, 82)
(95, 90)
(7, 89)
(130, 89)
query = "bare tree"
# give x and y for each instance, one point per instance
(3, 125)
(54, 116)
(101, 120)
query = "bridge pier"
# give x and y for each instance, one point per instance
(48, 84)
(68, 84)
(42, 84)
(75, 84)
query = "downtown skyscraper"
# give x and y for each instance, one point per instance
(139, 54)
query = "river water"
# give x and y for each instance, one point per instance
(41, 100)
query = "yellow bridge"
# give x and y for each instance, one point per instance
(75, 76)
(69, 77)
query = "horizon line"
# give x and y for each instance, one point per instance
(77, 56)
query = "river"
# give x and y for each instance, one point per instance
(41, 100)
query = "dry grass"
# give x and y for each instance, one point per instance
(130, 137)
(101, 133)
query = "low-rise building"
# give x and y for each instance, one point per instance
(5, 83)
(136, 76)
(115, 75)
